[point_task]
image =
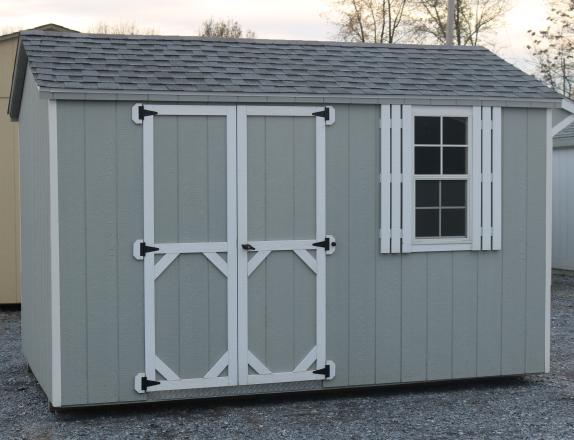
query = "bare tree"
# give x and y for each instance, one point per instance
(472, 20)
(553, 48)
(371, 21)
(122, 28)
(224, 29)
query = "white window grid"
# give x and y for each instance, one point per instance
(442, 113)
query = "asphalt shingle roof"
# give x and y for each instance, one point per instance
(198, 65)
(567, 132)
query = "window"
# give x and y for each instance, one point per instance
(441, 179)
(441, 169)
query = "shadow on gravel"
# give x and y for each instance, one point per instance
(224, 404)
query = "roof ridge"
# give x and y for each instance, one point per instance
(249, 40)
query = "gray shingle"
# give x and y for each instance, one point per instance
(192, 64)
(567, 132)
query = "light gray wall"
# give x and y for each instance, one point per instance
(390, 318)
(35, 241)
(562, 207)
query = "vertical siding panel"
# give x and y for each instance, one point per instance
(190, 164)
(72, 209)
(279, 216)
(35, 239)
(337, 165)
(562, 209)
(129, 143)
(388, 275)
(257, 230)
(464, 315)
(439, 316)
(217, 224)
(101, 238)
(414, 318)
(514, 183)
(535, 251)
(363, 245)
(489, 324)
(304, 227)
(166, 217)
(388, 347)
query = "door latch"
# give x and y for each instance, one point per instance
(247, 247)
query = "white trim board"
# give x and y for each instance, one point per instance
(55, 255)
(548, 281)
(290, 98)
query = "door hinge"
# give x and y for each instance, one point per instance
(325, 371)
(145, 249)
(142, 112)
(323, 113)
(148, 383)
(326, 244)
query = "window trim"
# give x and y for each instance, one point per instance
(441, 243)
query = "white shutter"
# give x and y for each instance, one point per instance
(496, 178)
(385, 179)
(486, 178)
(394, 165)
(485, 197)
(476, 178)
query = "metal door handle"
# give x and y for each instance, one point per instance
(247, 247)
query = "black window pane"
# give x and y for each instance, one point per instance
(427, 130)
(427, 160)
(426, 224)
(454, 131)
(453, 193)
(454, 160)
(427, 193)
(453, 223)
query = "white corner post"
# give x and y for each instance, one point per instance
(548, 284)
(55, 254)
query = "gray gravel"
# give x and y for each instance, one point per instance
(533, 407)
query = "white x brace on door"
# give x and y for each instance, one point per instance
(291, 143)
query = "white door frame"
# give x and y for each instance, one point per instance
(170, 251)
(317, 264)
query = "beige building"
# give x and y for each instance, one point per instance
(9, 175)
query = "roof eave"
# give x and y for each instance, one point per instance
(17, 86)
(91, 94)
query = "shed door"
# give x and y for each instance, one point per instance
(189, 248)
(281, 264)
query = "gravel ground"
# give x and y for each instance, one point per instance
(533, 407)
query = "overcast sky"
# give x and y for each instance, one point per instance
(290, 19)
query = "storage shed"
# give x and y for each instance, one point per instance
(563, 200)
(9, 174)
(205, 217)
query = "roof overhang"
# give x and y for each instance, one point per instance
(18, 78)
(568, 106)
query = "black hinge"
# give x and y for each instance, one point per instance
(142, 112)
(148, 383)
(145, 249)
(323, 113)
(325, 371)
(325, 244)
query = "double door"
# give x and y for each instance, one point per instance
(234, 247)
